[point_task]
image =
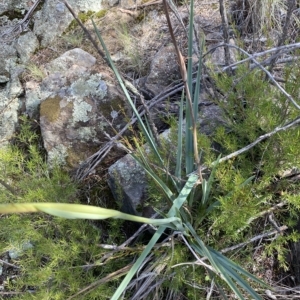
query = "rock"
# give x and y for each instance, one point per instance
(210, 117)
(13, 6)
(77, 109)
(16, 253)
(112, 3)
(163, 71)
(33, 98)
(74, 63)
(26, 45)
(128, 183)
(4, 74)
(217, 58)
(56, 16)
(11, 88)
(130, 3)
(8, 55)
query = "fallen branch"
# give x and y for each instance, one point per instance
(262, 213)
(280, 50)
(270, 76)
(255, 238)
(200, 261)
(257, 141)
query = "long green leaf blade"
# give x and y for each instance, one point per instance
(230, 282)
(240, 281)
(235, 266)
(179, 141)
(189, 149)
(172, 212)
(222, 265)
(137, 264)
(183, 195)
(202, 250)
(168, 193)
(150, 141)
(198, 84)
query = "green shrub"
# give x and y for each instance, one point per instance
(53, 266)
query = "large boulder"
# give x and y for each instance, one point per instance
(79, 108)
(51, 18)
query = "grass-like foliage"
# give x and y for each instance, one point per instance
(219, 265)
(57, 244)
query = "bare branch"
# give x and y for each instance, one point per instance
(282, 49)
(262, 213)
(260, 139)
(255, 238)
(225, 250)
(267, 73)
(257, 141)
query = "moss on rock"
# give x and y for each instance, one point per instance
(85, 16)
(50, 108)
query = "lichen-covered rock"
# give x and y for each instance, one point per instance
(26, 45)
(11, 89)
(8, 56)
(71, 64)
(17, 6)
(77, 108)
(55, 16)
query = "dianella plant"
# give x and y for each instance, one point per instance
(185, 186)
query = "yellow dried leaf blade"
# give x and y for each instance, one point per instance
(12, 208)
(80, 211)
(66, 210)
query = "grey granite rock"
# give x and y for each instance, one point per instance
(78, 107)
(54, 18)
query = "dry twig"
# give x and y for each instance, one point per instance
(21, 26)
(225, 33)
(270, 76)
